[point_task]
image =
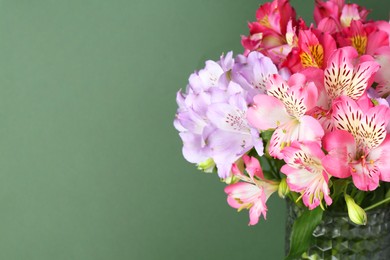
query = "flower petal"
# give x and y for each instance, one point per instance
(267, 112)
(341, 147)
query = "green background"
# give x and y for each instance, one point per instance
(90, 164)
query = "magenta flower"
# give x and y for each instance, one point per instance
(313, 51)
(273, 33)
(342, 14)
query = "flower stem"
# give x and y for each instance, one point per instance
(378, 204)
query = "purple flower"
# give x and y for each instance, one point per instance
(211, 115)
(252, 73)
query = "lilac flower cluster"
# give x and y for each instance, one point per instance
(211, 115)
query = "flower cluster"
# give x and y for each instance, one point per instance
(303, 111)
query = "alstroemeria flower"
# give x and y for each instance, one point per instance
(190, 119)
(253, 72)
(211, 111)
(252, 192)
(338, 11)
(348, 74)
(361, 146)
(313, 50)
(365, 38)
(306, 174)
(232, 136)
(273, 33)
(284, 109)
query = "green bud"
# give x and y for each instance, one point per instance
(356, 214)
(283, 188)
(230, 180)
(207, 166)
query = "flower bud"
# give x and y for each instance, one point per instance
(356, 214)
(283, 188)
(207, 166)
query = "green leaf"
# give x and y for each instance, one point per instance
(338, 185)
(302, 232)
(359, 196)
(387, 194)
(266, 135)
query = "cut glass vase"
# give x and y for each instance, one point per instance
(336, 237)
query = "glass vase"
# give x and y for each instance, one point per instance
(336, 237)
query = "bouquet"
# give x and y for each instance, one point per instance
(302, 113)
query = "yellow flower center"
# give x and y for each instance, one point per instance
(359, 43)
(314, 58)
(265, 22)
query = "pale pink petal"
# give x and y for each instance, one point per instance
(266, 113)
(347, 115)
(302, 89)
(252, 166)
(342, 78)
(310, 129)
(381, 157)
(282, 137)
(258, 209)
(349, 12)
(365, 178)
(362, 78)
(305, 129)
(245, 195)
(277, 87)
(341, 149)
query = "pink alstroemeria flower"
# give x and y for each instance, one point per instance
(284, 109)
(306, 174)
(313, 50)
(273, 33)
(346, 74)
(361, 146)
(365, 38)
(339, 12)
(252, 192)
